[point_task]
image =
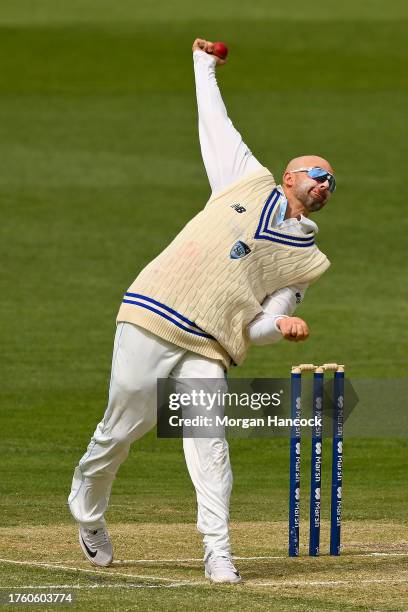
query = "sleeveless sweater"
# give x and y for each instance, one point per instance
(201, 292)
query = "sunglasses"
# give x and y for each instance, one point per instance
(320, 175)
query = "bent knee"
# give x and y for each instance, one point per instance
(118, 441)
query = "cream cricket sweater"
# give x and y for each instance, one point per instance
(201, 292)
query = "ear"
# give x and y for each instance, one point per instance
(288, 179)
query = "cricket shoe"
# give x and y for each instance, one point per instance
(96, 545)
(221, 569)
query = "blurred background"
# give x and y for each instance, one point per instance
(100, 169)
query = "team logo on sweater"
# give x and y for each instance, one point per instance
(240, 249)
(238, 207)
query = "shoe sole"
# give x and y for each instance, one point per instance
(90, 559)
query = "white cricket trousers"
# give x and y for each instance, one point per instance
(139, 359)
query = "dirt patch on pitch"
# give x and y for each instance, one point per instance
(371, 572)
(175, 541)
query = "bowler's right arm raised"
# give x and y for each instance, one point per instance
(228, 159)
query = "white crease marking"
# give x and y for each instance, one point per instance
(125, 585)
(260, 558)
(96, 571)
(329, 583)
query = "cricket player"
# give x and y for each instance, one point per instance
(233, 276)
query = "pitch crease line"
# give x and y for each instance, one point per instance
(199, 559)
(120, 562)
(260, 558)
(95, 571)
(329, 583)
(125, 585)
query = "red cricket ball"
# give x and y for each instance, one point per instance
(220, 49)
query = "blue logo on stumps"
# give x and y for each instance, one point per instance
(240, 249)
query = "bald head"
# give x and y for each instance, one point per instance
(308, 161)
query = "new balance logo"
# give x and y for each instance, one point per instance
(238, 208)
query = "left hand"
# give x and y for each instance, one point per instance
(293, 329)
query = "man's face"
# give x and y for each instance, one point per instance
(313, 194)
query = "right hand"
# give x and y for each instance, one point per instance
(206, 45)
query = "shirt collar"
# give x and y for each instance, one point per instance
(307, 225)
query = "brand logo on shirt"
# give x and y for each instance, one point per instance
(238, 208)
(298, 297)
(240, 249)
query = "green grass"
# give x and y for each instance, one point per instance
(100, 168)
(154, 483)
